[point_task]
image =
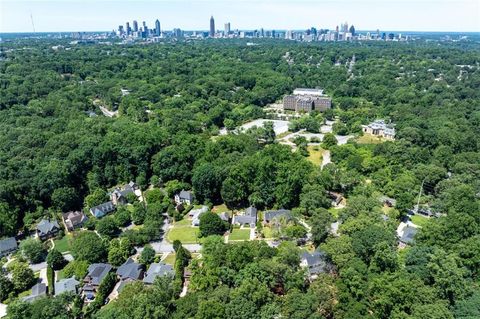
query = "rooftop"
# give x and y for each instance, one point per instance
(305, 91)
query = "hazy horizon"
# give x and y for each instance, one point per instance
(106, 15)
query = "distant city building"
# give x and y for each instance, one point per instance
(227, 28)
(307, 100)
(135, 26)
(129, 30)
(212, 27)
(157, 28)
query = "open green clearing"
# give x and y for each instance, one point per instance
(315, 154)
(420, 220)
(239, 234)
(369, 139)
(186, 234)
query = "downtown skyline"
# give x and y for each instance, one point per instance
(58, 16)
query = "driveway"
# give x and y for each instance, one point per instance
(38, 267)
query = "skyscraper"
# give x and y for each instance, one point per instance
(127, 26)
(227, 28)
(212, 27)
(157, 28)
(135, 26)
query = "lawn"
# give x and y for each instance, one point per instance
(239, 234)
(369, 139)
(315, 154)
(183, 223)
(186, 234)
(63, 245)
(170, 260)
(420, 220)
(220, 208)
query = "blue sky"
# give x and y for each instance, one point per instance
(98, 15)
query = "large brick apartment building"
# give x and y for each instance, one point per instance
(307, 100)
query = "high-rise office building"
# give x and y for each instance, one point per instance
(157, 28)
(227, 28)
(135, 26)
(212, 27)
(127, 27)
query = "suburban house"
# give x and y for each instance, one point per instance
(406, 233)
(158, 270)
(74, 220)
(38, 291)
(335, 197)
(119, 196)
(130, 270)
(102, 209)
(381, 129)
(249, 218)
(66, 285)
(8, 246)
(275, 215)
(196, 213)
(184, 197)
(387, 201)
(96, 273)
(314, 263)
(47, 229)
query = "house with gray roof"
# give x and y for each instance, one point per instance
(275, 215)
(119, 195)
(158, 270)
(130, 270)
(47, 229)
(102, 209)
(7, 246)
(74, 220)
(184, 197)
(196, 213)
(225, 216)
(407, 235)
(96, 273)
(66, 285)
(315, 263)
(248, 218)
(38, 291)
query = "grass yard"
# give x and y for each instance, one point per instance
(170, 260)
(63, 245)
(239, 234)
(315, 154)
(186, 234)
(420, 220)
(183, 223)
(220, 208)
(369, 139)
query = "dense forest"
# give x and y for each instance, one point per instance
(59, 151)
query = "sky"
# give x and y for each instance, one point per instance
(106, 15)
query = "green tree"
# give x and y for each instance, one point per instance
(107, 226)
(77, 268)
(22, 276)
(6, 287)
(320, 222)
(33, 250)
(65, 199)
(55, 259)
(147, 256)
(329, 140)
(89, 247)
(211, 224)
